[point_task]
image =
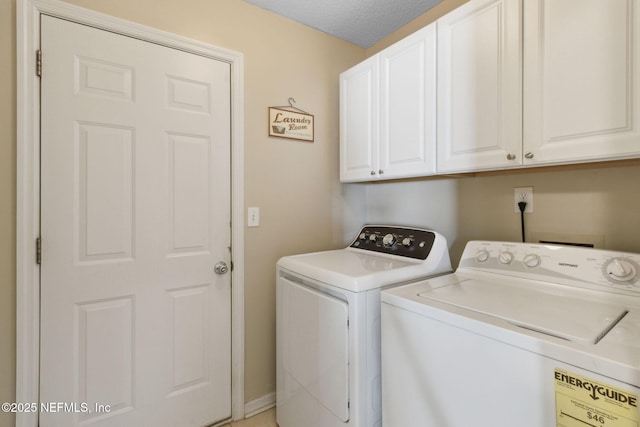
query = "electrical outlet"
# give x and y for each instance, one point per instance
(523, 194)
(253, 217)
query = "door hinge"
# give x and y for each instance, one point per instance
(38, 251)
(39, 63)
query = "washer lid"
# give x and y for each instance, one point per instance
(539, 308)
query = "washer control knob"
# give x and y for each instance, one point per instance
(531, 260)
(389, 240)
(373, 237)
(363, 236)
(482, 255)
(505, 257)
(621, 270)
(407, 242)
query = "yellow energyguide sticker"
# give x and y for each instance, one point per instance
(583, 402)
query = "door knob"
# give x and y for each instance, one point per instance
(221, 268)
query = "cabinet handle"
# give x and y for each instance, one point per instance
(380, 171)
(529, 155)
(511, 156)
(373, 172)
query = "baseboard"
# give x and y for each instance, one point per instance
(260, 404)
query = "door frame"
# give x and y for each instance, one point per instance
(28, 186)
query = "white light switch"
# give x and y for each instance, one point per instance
(253, 217)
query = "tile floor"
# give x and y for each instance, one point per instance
(263, 419)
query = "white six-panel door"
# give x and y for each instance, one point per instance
(135, 213)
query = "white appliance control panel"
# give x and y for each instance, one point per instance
(581, 267)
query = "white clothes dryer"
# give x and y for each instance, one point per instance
(521, 335)
(328, 323)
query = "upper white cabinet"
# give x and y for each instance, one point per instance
(387, 112)
(519, 83)
(579, 97)
(480, 86)
(408, 106)
(359, 121)
(581, 80)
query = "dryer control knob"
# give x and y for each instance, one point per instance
(407, 242)
(373, 237)
(388, 240)
(363, 236)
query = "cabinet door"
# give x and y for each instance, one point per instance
(359, 122)
(408, 106)
(480, 86)
(582, 80)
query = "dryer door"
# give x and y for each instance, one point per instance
(315, 346)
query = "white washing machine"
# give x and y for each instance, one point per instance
(328, 323)
(520, 335)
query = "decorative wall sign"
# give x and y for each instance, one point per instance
(284, 123)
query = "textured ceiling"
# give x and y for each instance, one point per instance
(361, 22)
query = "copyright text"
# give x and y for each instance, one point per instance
(54, 407)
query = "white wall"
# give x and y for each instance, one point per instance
(601, 200)
(426, 204)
